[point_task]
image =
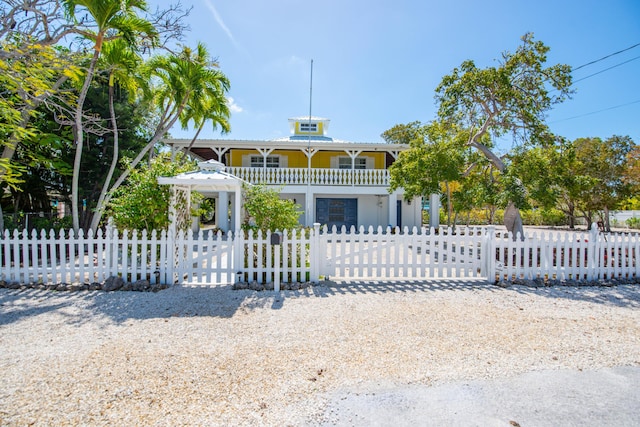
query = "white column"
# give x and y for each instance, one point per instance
(308, 211)
(434, 210)
(393, 209)
(237, 211)
(222, 211)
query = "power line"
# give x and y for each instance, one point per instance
(595, 112)
(605, 57)
(606, 69)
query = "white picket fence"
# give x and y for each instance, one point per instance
(563, 255)
(312, 254)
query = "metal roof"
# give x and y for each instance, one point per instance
(210, 177)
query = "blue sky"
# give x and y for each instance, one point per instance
(377, 63)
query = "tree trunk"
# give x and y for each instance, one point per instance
(607, 224)
(97, 215)
(572, 215)
(78, 136)
(516, 224)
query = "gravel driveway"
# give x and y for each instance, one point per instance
(215, 356)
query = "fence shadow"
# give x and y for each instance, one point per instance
(118, 307)
(14, 309)
(625, 296)
(337, 287)
(224, 302)
(619, 296)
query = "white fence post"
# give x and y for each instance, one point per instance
(593, 272)
(313, 253)
(238, 255)
(489, 254)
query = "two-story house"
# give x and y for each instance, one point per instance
(336, 182)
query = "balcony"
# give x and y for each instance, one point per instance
(302, 176)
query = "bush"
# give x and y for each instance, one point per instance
(633, 222)
(265, 210)
(142, 203)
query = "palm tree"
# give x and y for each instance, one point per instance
(188, 87)
(213, 106)
(121, 63)
(113, 19)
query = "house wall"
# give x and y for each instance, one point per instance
(297, 159)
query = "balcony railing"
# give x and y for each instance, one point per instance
(302, 176)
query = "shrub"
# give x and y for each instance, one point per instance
(633, 222)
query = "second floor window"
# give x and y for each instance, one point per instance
(259, 162)
(358, 163)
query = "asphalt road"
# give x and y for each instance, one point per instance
(607, 397)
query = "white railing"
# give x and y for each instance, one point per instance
(314, 176)
(309, 255)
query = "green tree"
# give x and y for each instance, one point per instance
(509, 99)
(265, 210)
(142, 203)
(605, 164)
(435, 156)
(403, 133)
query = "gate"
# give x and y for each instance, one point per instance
(391, 254)
(204, 258)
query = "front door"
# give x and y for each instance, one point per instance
(337, 212)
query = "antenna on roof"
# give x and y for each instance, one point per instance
(310, 97)
(308, 202)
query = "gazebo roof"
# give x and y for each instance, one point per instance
(210, 177)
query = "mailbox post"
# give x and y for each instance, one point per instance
(276, 241)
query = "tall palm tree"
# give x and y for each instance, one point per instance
(212, 106)
(188, 86)
(121, 63)
(112, 19)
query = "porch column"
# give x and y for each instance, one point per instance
(434, 210)
(222, 209)
(393, 209)
(236, 221)
(308, 211)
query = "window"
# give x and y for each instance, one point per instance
(308, 127)
(259, 162)
(358, 163)
(273, 161)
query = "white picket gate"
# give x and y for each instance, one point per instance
(204, 258)
(418, 253)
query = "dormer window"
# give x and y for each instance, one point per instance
(308, 127)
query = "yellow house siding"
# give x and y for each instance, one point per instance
(235, 156)
(297, 159)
